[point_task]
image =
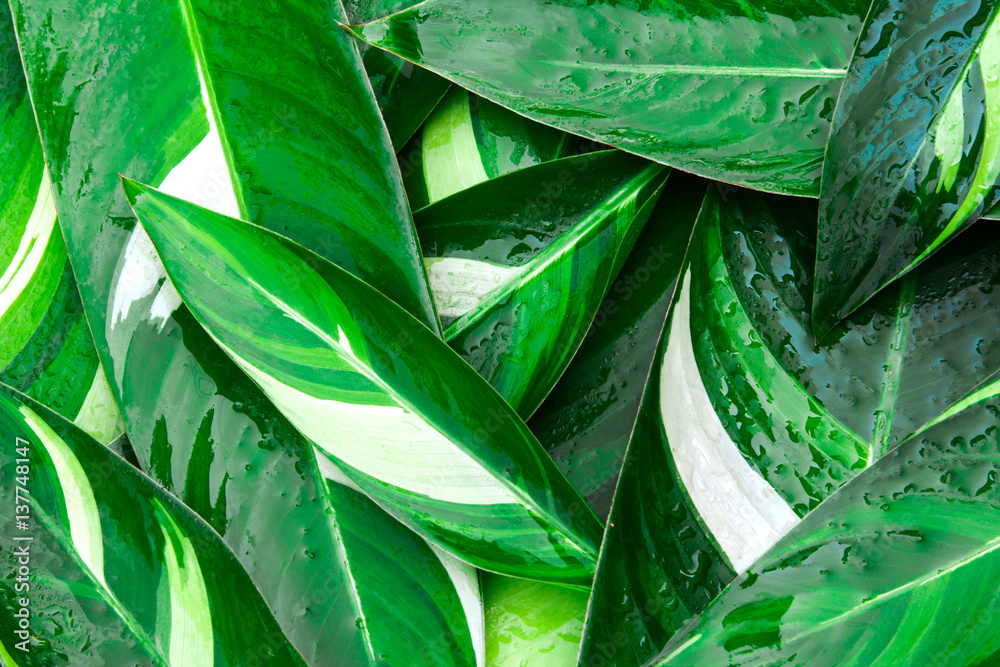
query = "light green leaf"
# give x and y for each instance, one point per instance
(531, 623)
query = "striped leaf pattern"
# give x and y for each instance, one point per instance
(747, 425)
(443, 452)
(910, 544)
(46, 350)
(203, 430)
(121, 572)
(468, 140)
(499, 264)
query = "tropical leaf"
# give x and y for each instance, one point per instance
(202, 429)
(261, 138)
(118, 571)
(469, 139)
(46, 350)
(531, 623)
(405, 94)
(499, 264)
(914, 153)
(586, 422)
(443, 452)
(910, 545)
(740, 93)
(747, 424)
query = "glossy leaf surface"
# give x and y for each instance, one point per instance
(748, 425)
(498, 265)
(531, 623)
(899, 567)
(443, 452)
(914, 153)
(468, 140)
(203, 430)
(659, 564)
(46, 350)
(301, 132)
(586, 422)
(739, 93)
(120, 571)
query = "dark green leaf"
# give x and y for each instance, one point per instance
(915, 148)
(586, 422)
(740, 92)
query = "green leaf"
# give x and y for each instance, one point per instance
(914, 154)
(659, 564)
(586, 421)
(741, 93)
(910, 548)
(202, 429)
(469, 139)
(747, 424)
(405, 94)
(215, 117)
(499, 264)
(46, 349)
(443, 452)
(138, 577)
(531, 623)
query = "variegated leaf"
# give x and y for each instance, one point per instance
(378, 393)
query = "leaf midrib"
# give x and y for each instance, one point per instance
(526, 500)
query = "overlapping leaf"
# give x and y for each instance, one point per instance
(405, 94)
(914, 153)
(899, 567)
(469, 139)
(378, 393)
(46, 350)
(747, 424)
(498, 265)
(200, 427)
(741, 93)
(586, 422)
(120, 572)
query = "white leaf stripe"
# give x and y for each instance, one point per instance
(191, 634)
(459, 284)
(386, 442)
(31, 251)
(81, 507)
(744, 514)
(465, 578)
